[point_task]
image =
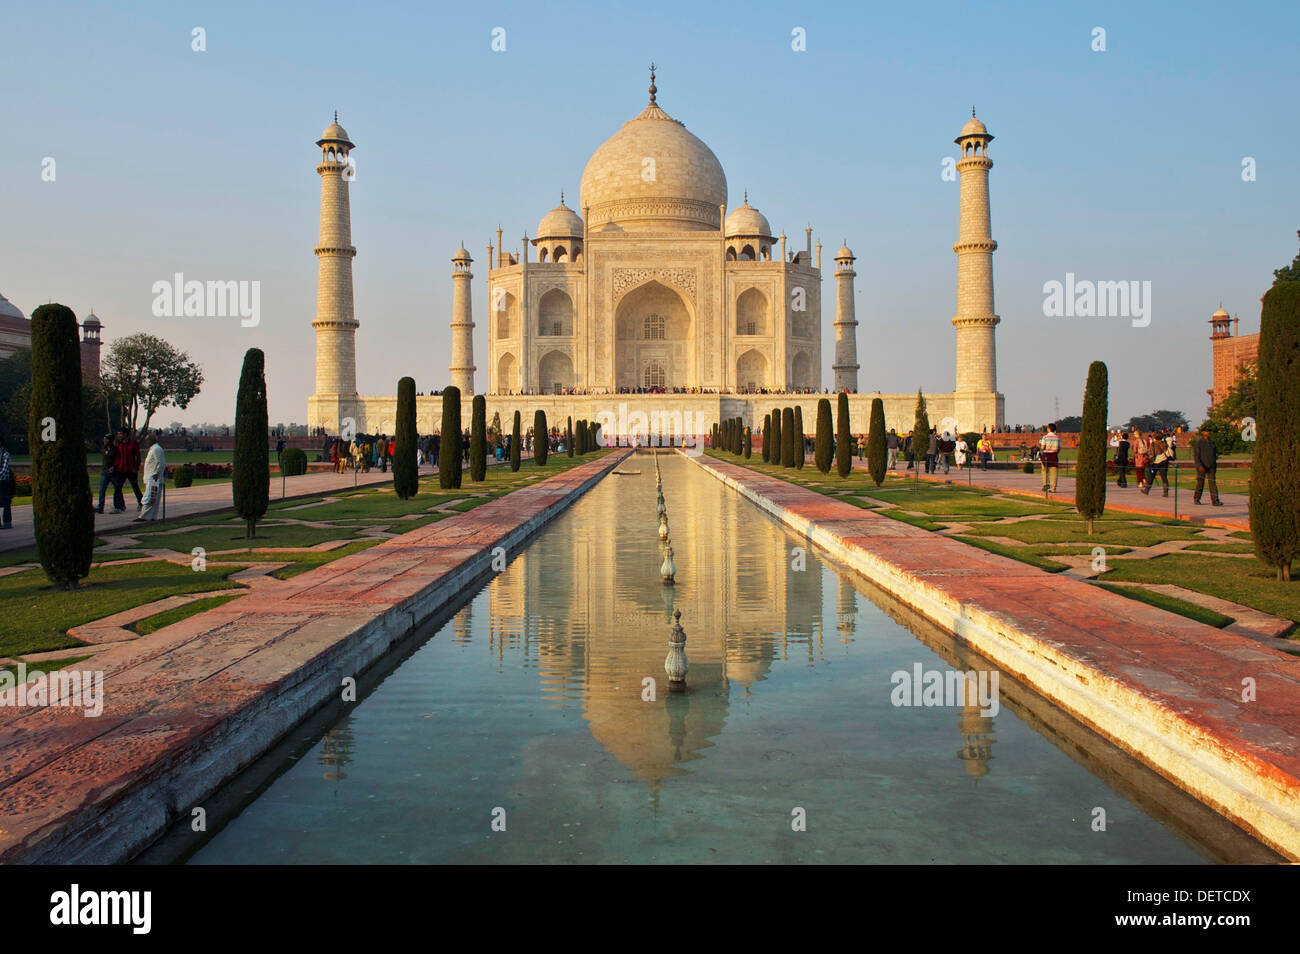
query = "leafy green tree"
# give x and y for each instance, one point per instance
(541, 438)
(62, 511)
(778, 442)
(920, 430)
(843, 448)
(478, 439)
(787, 437)
(449, 449)
(142, 374)
(1159, 420)
(1288, 273)
(1070, 425)
(1090, 469)
(406, 473)
(1240, 401)
(515, 441)
(251, 471)
(824, 450)
(877, 453)
(799, 435)
(1225, 435)
(767, 433)
(1275, 476)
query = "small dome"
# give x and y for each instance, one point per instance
(1220, 313)
(560, 222)
(8, 309)
(335, 133)
(462, 255)
(973, 127)
(92, 321)
(745, 220)
(844, 252)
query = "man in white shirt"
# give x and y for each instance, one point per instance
(155, 475)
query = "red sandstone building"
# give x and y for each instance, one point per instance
(1231, 352)
(16, 335)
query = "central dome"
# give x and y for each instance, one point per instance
(653, 175)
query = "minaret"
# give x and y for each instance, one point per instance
(975, 320)
(846, 323)
(462, 324)
(336, 327)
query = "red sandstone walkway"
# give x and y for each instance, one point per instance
(187, 706)
(1191, 672)
(1233, 515)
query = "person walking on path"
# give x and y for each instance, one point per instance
(6, 487)
(984, 450)
(1049, 447)
(1141, 458)
(891, 445)
(1161, 450)
(909, 449)
(1206, 457)
(128, 465)
(1121, 460)
(108, 476)
(155, 474)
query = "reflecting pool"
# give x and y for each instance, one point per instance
(523, 729)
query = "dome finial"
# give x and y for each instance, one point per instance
(972, 111)
(336, 115)
(653, 90)
(561, 197)
(746, 197)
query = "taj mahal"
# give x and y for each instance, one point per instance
(653, 308)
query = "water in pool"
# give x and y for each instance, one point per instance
(522, 730)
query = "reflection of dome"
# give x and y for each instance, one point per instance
(653, 175)
(560, 222)
(8, 309)
(745, 221)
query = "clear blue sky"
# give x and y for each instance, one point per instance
(1117, 165)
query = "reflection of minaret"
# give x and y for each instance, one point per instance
(847, 609)
(976, 733)
(464, 623)
(336, 749)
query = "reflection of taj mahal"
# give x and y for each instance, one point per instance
(652, 287)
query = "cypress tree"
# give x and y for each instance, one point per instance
(568, 437)
(449, 455)
(798, 438)
(843, 443)
(729, 435)
(1090, 469)
(515, 442)
(823, 452)
(406, 475)
(749, 443)
(62, 510)
(767, 433)
(774, 456)
(251, 477)
(541, 438)
(736, 437)
(787, 437)
(920, 431)
(1275, 475)
(877, 453)
(478, 439)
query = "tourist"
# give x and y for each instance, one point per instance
(6, 487)
(155, 475)
(1162, 450)
(1206, 457)
(962, 449)
(1139, 458)
(279, 454)
(891, 445)
(106, 474)
(1122, 448)
(1050, 447)
(931, 442)
(909, 449)
(984, 450)
(128, 465)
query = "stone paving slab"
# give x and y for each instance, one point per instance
(1165, 688)
(187, 707)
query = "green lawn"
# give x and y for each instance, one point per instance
(151, 624)
(1171, 603)
(1248, 582)
(36, 617)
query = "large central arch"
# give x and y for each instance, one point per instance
(653, 325)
